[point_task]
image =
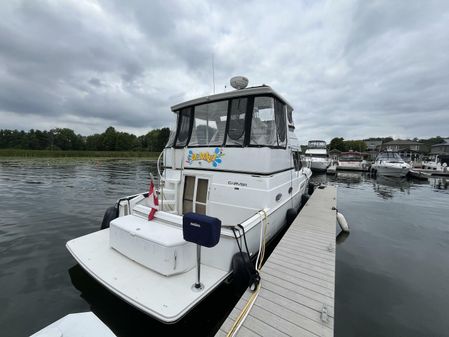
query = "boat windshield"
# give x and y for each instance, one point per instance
(391, 157)
(316, 144)
(209, 124)
(225, 123)
(350, 157)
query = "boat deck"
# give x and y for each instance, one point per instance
(298, 279)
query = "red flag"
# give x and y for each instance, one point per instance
(153, 201)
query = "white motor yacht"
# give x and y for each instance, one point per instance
(232, 163)
(390, 164)
(316, 156)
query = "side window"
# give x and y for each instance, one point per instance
(297, 160)
(263, 129)
(171, 138)
(236, 130)
(281, 123)
(290, 116)
(184, 127)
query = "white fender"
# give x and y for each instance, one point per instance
(342, 222)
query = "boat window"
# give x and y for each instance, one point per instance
(189, 188)
(281, 126)
(317, 144)
(171, 138)
(201, 196)
(195, 195)
(263, 130)
(390, 156)
(290, 115)
(236, 131)
(297, 160)
(209, 124)
(184, 127)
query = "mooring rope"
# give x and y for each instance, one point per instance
(259, 261)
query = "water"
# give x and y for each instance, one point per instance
(392, 276)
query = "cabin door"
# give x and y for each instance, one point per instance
(195, 194)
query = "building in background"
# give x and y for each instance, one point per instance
(441, 148)
(409, 150)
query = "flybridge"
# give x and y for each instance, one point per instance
(316, 144)
(256, 116)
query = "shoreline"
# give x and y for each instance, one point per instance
(17, 153)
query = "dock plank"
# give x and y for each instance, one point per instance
(298, 279)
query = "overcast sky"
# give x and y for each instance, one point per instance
(352, 69)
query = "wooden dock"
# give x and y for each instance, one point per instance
(298, 279)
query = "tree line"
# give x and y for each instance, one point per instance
(66, 139)
(338, 143)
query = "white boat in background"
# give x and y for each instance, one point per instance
(232, 158)
(316, 156)
(436, 163)
(390, 164)
(352, 161)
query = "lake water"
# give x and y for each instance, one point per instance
(392, 270)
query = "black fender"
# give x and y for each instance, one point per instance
(243, 271)
(310, 188)
(110, 214)
(304, 199)
(291, 215)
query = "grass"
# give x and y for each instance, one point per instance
(76, 154)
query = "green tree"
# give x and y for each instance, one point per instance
(337, 143)
(107, 140)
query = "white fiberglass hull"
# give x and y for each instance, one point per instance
(392, 171)
(352, 166)
(169, 298)
(317, 164)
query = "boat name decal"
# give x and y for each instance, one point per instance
(215, 157)
(236, 183)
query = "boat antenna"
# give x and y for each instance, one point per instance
(213, 72)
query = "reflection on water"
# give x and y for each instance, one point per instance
(440, 183)
(385, 187)
(391, 270)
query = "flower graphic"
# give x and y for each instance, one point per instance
(215, 157)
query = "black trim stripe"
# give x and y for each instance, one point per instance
(234, 171)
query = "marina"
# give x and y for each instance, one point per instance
(373, 286)
(178, 169)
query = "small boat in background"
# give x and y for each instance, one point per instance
(436, 163)
(316, 156)
(352, 161)
(390, 164)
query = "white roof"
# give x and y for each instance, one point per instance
(264, 89)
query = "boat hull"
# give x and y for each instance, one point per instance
(392, 171)
(169, 298)
(317, 164)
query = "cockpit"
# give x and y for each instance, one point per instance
(233, 119)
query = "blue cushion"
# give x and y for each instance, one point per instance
(201, 229)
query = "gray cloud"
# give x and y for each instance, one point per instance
(350, 68)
